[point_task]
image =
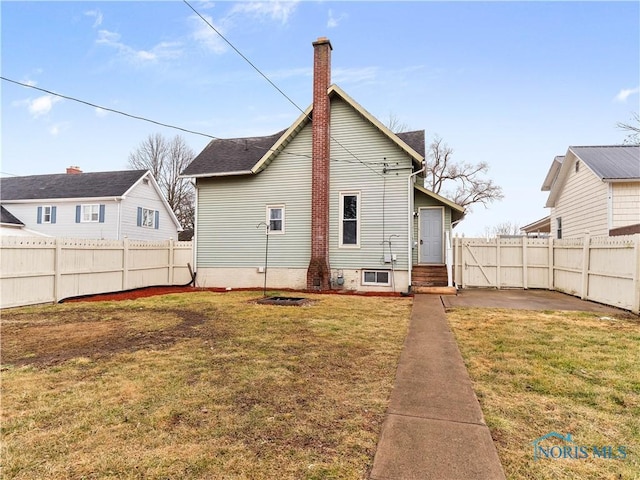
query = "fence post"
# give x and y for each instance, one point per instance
(636, 276)
(462, 264)
(125, 263)
(171, 261)
(551, 276)
(585, 265)
(498, 276)
(57, 265)
(525, 260)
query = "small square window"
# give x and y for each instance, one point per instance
(275, 218)
(90, 213)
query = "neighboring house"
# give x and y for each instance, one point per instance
(12, 226)
(539, 228)
(595, 190)
(101, 205)
(342, 196)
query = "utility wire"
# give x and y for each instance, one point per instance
(273, 84)
(137, 117)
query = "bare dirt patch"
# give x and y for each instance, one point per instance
(54, 337)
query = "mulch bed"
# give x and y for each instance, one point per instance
(153, 291)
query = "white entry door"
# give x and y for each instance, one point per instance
(431, 235)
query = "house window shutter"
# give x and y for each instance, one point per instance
(39, 214)
(78, 213)
(101, 214)
(139, 222)
(53, 214)
(157, 222)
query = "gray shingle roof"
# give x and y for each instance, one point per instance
(83, 185)
(239, 155)
(616, 162)
(414, 139)
(231, 155)
(7, 217)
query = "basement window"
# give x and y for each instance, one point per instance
(376, 277)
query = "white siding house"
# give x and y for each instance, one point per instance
(100, 205)
(594, 190)
(370, 220)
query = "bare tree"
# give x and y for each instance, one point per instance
(460, 182)
(166, 159)
(396, 125)
(504, 228)
(632, 128)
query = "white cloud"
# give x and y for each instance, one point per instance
(97, 14)
(274, 10)
(334, 21)
(205, 35)
(161, 51)
(41, 105)
(626, 93)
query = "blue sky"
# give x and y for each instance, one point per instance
(509, 83)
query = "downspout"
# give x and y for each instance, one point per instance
(410, 182)
(194, 240)
(118, 227)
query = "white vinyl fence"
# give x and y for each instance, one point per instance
(41, 270)
(602, 269)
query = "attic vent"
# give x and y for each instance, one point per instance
(577, 165)
(145, 181)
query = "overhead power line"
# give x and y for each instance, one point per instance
(138, 117)
(84, 102)
(273, 84)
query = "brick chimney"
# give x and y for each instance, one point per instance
(73, 170)
(319, 273)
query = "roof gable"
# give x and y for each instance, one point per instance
(334, 90)
(457, 211)
(8, 218)
(61, 186)
(251, 155)
(617, 162)
(608, 163)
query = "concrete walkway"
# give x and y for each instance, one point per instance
(434, 427)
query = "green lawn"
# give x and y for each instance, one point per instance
(568, 372)
(198, 385)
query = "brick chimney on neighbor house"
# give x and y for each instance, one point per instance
(319, 273)
(73, 170)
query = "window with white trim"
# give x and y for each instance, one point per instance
(376, 277)
(275, 218)
(90, 213)
(148, 218)
(349, 219)
(46, 214)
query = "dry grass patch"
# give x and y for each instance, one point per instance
(568, 372)
(198, 385)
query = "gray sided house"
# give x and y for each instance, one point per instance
(342, 196)
(99, 205)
